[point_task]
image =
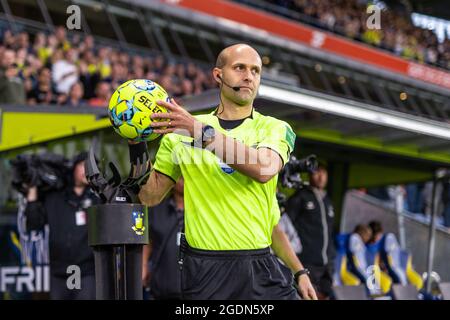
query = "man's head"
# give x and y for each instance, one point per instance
(76, 90)
(44, 76)
(364, 232)
(79, 174)
(60, 33)
(238, 66)
(377, 230)
(103, 90)
(319, 178)
(8, 58)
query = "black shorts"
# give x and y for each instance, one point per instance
(233, 275)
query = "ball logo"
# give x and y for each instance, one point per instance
(138, 223)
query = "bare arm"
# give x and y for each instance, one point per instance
(259, 164)
(156, 188)
(282, 248)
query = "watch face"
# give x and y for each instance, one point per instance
(209, 132)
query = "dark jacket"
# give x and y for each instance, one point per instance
(66, 215)
(165, 224)
(312, 217)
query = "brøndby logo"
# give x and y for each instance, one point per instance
(138, 223)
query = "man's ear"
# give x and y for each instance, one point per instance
(217, 74)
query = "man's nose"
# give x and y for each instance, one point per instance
(248, 77)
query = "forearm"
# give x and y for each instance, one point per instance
(155, 190)
(258, 164)
(282, 248)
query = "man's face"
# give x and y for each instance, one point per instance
(45, 76)
(319, 179)
(79, 175)
(9, 57)
(242, 69)
(103, 90)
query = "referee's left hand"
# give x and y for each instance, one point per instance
(306, 288)
(177, 118)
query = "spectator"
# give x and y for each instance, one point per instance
(76, 94)
(102, 95)
(12, 88)
(65, 72)
(43, 92)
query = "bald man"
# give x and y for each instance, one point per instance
(230, 160)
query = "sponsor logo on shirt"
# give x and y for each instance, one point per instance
(225, 168)
(310, 205)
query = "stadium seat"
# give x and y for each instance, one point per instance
(350, 292)
(398, 262)
(404, 292)
(444, 287)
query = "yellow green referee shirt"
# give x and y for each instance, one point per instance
(225, 209)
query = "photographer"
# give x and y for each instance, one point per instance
(311, 212)
(65, 213)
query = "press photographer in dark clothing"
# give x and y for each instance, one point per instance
(65, 213)
(311, 212)
(160, 269)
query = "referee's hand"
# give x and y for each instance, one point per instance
(306, 289)
(177, 118)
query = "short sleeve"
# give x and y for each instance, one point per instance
(280, 138)
(166, 158)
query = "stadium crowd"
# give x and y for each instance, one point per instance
(53, 69)
(397, 33)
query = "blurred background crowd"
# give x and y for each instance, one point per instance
(397, 33)
(53, 69)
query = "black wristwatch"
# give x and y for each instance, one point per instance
(208, 135)
(298, 274)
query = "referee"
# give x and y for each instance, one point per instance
(229, 160)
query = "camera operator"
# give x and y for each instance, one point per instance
(311, 212)
(65, 213)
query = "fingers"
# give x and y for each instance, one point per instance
(168, 105)
(175, 103)
(163, 115)
(304, 293)
(312, 293)
(164, 131)
(162, 124)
